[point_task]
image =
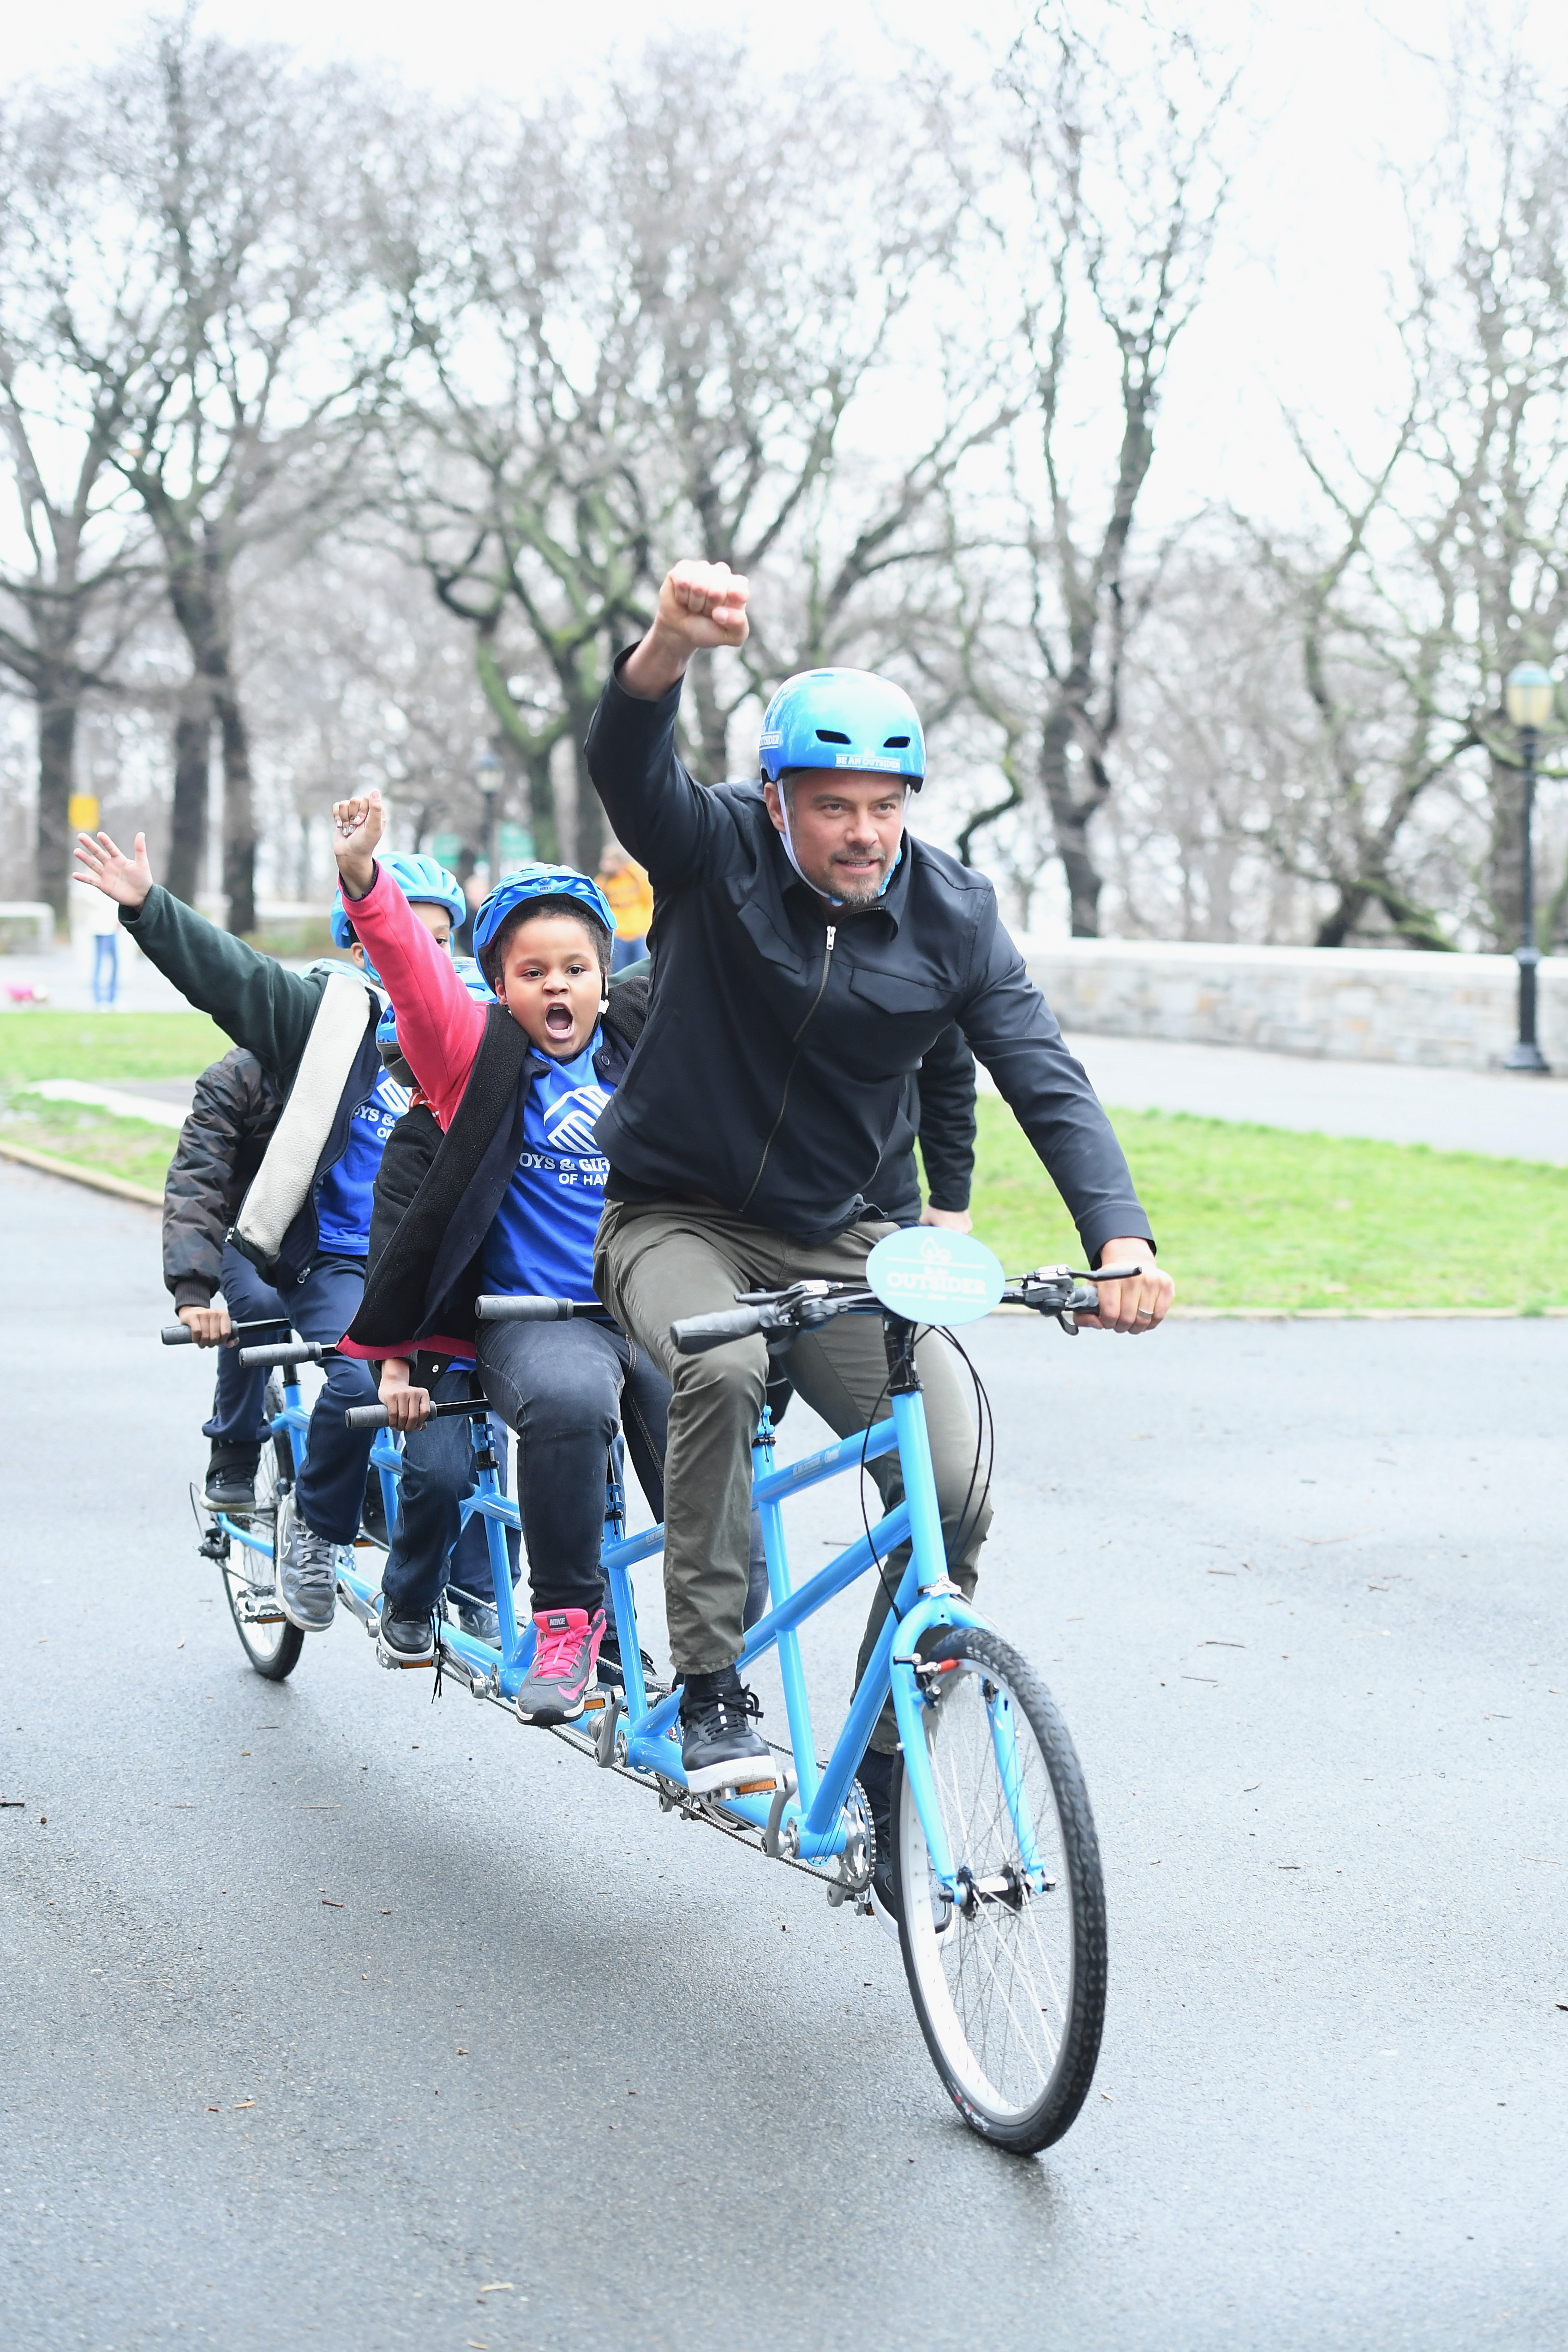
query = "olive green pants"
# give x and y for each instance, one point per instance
(659, 1261)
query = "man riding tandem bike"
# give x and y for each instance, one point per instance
(807, 950)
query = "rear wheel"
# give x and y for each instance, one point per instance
(249, 1580)
(1008, 1981)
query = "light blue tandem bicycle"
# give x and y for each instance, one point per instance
(995, 1865)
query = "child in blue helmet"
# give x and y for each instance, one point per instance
(510, 1204)
(305, 1219)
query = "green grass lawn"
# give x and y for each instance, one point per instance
(38, 1043)
(1245, 1216)
(105, 1047)
(1253, 1216)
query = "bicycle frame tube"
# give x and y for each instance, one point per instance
(296, 1420)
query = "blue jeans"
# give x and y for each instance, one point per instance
(437, 1472)
(105, 967)
(237, 1414)
(330, 1492)
(567, 1389)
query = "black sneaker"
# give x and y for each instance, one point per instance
(405, 1641)
(882, 1778)
(612, 1673)
(719, 1749)
(231, 1478)
(876, 1775)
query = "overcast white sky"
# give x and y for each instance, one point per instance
(1297, 308)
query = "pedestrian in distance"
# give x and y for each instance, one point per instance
(629, 898)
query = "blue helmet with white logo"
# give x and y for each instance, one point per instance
(525, 882)
(843, 719)
(417, 878)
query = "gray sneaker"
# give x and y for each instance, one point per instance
(481, 1618)
(307, 1571)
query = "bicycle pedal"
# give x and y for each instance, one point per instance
(753, 1787)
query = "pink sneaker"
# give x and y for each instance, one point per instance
(565, 1665)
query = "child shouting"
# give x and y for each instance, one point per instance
(510, 1204)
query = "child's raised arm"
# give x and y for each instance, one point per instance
(439, 1024)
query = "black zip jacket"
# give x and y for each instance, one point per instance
(233, 1113)
(779, 1040)
(937, 1113)
(436, 1195)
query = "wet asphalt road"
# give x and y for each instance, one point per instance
(331, 2017)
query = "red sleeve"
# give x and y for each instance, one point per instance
(439, 1024)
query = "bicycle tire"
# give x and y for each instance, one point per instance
(273, 1646)
(982, 1972)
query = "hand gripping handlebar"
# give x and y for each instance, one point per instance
(179, 1335)
(374, 1416)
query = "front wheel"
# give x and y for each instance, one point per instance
(251, 1582)
(1007, 1977)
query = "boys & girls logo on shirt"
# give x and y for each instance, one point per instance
(568, 1120)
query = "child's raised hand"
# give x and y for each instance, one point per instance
(107, 868)
(357, 826)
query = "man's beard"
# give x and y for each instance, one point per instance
(853, 899)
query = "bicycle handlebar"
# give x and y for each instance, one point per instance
(525, 1309)
(1063, 1291)
(179, 1335)
(286, 1351)
(374, 1416)
(696, 1333)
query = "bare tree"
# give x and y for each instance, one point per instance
(666, 307)
(79, 584)
(221, 189)
(1114, 137)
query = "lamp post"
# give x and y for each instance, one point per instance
(488, 775)
(1530, 694)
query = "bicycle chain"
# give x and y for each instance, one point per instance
(750, 1838)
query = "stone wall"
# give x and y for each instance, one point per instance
(1455, 1011)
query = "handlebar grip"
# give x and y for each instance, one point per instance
(696, 1333)
(529, 1309)
(1084, 1299)
(285, 1351)
(176, 1335)
(373, 1416)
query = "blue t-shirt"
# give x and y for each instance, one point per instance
(343, 1194)
(542, 1238)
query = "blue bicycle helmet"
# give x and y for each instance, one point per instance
(843, 719)
(417, 878)
(526, 882)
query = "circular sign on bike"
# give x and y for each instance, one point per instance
(930, 1275)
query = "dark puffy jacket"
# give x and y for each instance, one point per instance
(233, 1114)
